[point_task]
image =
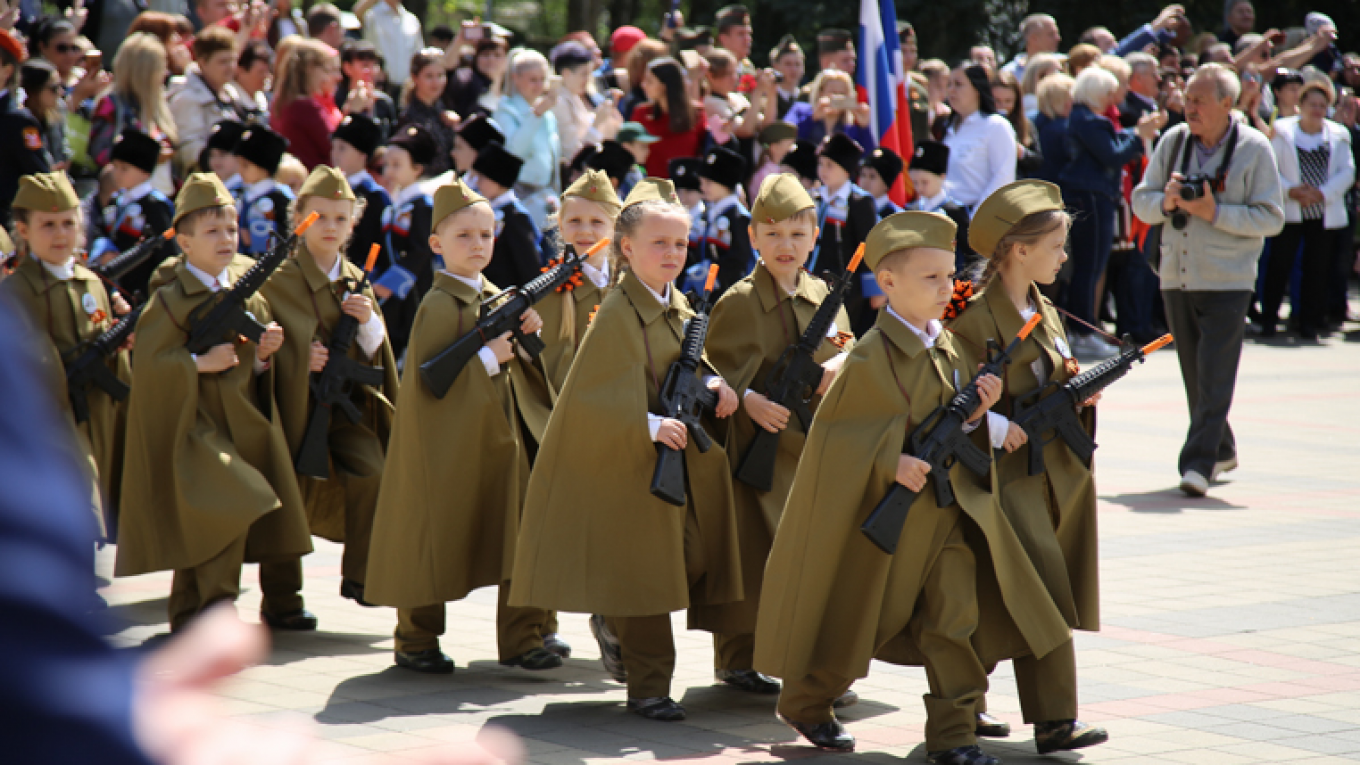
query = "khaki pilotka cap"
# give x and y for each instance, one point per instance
(908, 230)
(46, 192)
(6, 244)
(999, 213)
(652, 188)
(595, 186)
(781, 197)
(201, 191)
(450, 198)
(327, 183)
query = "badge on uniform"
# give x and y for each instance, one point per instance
(32, 139)
(266, 207)
(88, 302)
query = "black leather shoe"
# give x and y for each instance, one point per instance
(661, 708)
(1065, 735)
(747, 680)
(963, 755)
(535, 658)
(355, 592)
(847, 699)
(831, 736)
(991, 727)
(554, 642)
(431, 661)
(611, 655)
(300, 620)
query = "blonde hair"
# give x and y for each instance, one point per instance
(188, 223)
(629, 221)
(1093, 87)
(808, 215)
(521, 60)
(22, 214)
(1027, 231)
(1054, 93)
(1116, 66)
(299, 205)
(823, 77)
(1037, 68)
(139, 77)
(295, 70)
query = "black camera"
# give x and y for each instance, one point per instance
(1192, 188)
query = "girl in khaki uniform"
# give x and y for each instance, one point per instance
(754, 322)
(1022, 230)
(453, 485)
(595, 540)
(308, 294)
(208, 479)
(68, 305)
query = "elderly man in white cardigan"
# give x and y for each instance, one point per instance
(1210, 249)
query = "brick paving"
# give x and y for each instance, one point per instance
(1231, 622)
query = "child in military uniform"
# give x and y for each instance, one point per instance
(308, 295)
(845, 214)
(929, 164)
(208, 479)
(410, 263)
(138, 209)
(352, 147)
(753, 324)
(727, 236)
(776, 140)
(20, 132)
(684, 173)
(218, 156)
(879, 170)
(832, 600)
(517, 259)
(1021, 231)
(615, 549)
(473, 135)
(801, 160)
(67, 305)
(449, 507)
(264, 201)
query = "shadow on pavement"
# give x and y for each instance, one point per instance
(1169, 500)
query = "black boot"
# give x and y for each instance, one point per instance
(991, 727)
(963, 755)
(300, 620)
(431, 662)
(661, 708)
(1065, 735)
(534, 658)
(747, 680)
(831, 736)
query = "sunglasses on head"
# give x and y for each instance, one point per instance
(66, 48)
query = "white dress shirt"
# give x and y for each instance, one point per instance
(396, 32)
(928, 337)
(64, 272)
(982, 157)
(597, 276)
(371, 332)
(215, 283)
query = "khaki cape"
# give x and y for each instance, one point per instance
(566, 316)
(1055, 513)
(449, 506)
(595, 540)
(833, 600)
(754, 322)
(307, 305)
(206, 460)
(60, 323)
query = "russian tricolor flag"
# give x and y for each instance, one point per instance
(881, 75)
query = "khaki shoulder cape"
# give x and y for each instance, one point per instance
(57, 311)
(833, 600)
(206, 461)
(307, 305)
(753, 323)
(1054, 513)
(595, 540)
(449, 506)
(566, 316)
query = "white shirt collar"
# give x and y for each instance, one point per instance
(137, 192)
(407, 194)
(792, 95)
(697, 211)
(258, 189)
(476, 284)
(839, 195)
(234, 183)
(931, 204)
(63, 272)
(213, 283)
(721, 206)
(929, 336)
(337, 268)
(359, 177)
(881, 201)
(664, 298)
(504, 199)
(597, 276)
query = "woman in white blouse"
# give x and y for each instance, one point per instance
(583, 117)
(981, 143)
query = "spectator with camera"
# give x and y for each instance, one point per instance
(1214, 184)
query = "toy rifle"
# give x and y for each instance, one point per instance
(1037, 414)
(684, 397)
(938, 442)
(441, 370)
(793, 382)
(333, 387)
(134, 256)
(86, 365)
(223, 317)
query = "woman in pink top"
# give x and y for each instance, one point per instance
(304, 109)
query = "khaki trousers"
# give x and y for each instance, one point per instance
(193, 590)
(517, 629)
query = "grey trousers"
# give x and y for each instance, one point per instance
(1208, 327)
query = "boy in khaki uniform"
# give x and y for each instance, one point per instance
(831, 598)
(449, 507)
(753, 324)
(68, 305)
(309, 294)
(208, 479)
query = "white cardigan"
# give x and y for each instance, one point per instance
(1340, 170)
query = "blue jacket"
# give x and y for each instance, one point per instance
(1052, 132)
(1099, 153)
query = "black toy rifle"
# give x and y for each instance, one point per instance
(938, 442)
(135, 255)
(85, 365)
(684, 397)
(223, 317)
(1037, 414)
(441, 370)
(793, 382)
(333, 387)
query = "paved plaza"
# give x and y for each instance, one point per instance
(1231, 623)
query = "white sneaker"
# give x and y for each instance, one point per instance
(1226, 466)
(1091, 346)
(1194, 484)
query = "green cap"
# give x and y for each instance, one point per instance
(652, 188)
(46, 192)
(908, 230)
(201, 191)
(595, 186)
(781, 197)
(999, 213)
(634, 131)
(777, 131)
(453, 197)
(327, 182)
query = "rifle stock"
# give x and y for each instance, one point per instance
(683, 397)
